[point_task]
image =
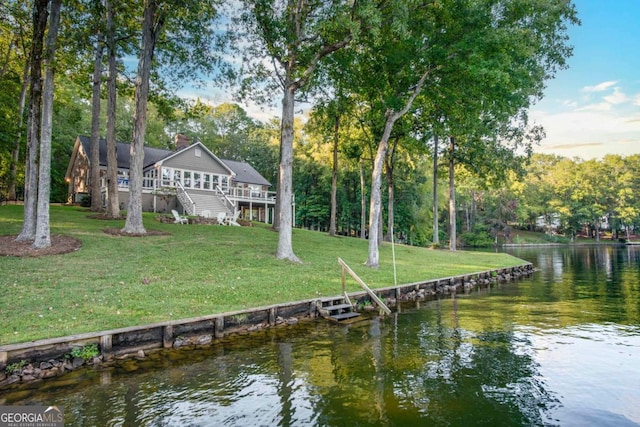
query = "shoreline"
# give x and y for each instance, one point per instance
(41, 359)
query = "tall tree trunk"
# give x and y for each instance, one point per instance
(15, 153)
(375, 205)
(436, 231)
(452, 196)
(285, 179)
(276, 209)
(334, 177)
(363, 203)
(151, 27)
(94, 164)
(390, 207)
(391, 192)
(113, 199)
(40, 16)
(43, 233)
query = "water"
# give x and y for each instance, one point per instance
(560, 348)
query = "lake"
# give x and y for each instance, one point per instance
(561, 347)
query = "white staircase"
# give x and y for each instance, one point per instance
(205, 202)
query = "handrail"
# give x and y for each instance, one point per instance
(182, 191)
(230, 205)
(374, 297)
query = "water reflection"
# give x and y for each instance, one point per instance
(560, 348)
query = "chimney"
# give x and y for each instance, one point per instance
(181, 141)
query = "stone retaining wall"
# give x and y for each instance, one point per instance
(29, 361)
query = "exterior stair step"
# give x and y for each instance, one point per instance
(344, 316)
(337, 309)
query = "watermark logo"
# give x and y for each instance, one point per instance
(31, 416)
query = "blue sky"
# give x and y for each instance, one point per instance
(593, 108)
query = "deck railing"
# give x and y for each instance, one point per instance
(231, 193)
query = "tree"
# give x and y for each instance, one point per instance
(113, 199)
(40, 16)
(153, 21)
(186, 52)
(94, 155)
(43, 235)
(392, 67)
(296, 36)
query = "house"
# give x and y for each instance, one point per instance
(190, 178)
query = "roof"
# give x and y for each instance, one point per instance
(123, 154)
(244, 172)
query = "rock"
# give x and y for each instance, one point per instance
(140, 354)
(204, 340)
(11, 379)
(28, 370)
(292, 321)
(253, 328)
(27, 378)
(77, 362)
(49, 373)
(46, 365)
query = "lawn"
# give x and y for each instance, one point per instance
(193, 270)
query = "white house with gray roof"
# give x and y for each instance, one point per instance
(190, 178)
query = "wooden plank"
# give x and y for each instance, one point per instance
(336, 307)
(167, 336)
(344, 316)
(373, 296)
(106, 347)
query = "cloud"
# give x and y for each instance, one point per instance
(602, 106)
(617, 97)
(600, 86)
(589, 132)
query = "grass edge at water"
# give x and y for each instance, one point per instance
(196, 270)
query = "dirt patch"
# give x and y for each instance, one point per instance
(59, 245)
(104, 217)
(119, 232)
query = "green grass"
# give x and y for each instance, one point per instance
(196, 270)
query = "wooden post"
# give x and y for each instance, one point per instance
(3, 359)
(167, 336)
(219, 333)
(272, 316)
(106, 347)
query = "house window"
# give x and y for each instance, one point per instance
(216, 180)
(148, 181)
(198, 152)
(187, 179)
(224, 182)
(206, 181)
(197, 179)
(123, 178)
(177, 177)
(255, 190)
(166, 176)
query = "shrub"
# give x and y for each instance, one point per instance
(86, 353)
(478, 238)
(17, 366)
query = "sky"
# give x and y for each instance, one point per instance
(592, 108)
